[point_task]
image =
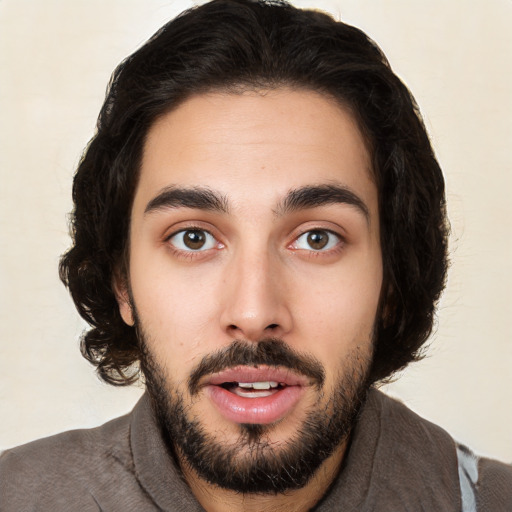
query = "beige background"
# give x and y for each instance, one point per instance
(55, 60)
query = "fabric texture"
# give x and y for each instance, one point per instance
(468, 478)
(396, 462)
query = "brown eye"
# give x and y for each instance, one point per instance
(193, 240)
(318, 240)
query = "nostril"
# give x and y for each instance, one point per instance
(252, 332)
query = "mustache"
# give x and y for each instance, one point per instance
(272, 352)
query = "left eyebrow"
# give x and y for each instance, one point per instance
(200, 198)
(313, 196)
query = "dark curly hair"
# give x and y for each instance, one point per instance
(248, 44)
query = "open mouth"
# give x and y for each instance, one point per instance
(254, 389)
(258, 395)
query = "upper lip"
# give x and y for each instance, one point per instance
(257, 374)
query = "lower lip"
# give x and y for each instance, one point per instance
(263, 410)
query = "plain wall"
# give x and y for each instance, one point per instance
(56, 57)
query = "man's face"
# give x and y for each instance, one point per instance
(255, 273)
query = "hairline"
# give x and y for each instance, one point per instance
(258, 85)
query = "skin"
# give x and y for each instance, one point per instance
(256, 276)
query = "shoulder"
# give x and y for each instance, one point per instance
(69, 451)
(67, 465)
(416, 460)
(493, 486)
(412, 436)
(485, 485)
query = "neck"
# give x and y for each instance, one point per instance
(216, 499)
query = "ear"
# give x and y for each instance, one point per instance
(120, 286)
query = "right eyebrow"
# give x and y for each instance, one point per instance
(200, 198)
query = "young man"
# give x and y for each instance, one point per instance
(259, 227)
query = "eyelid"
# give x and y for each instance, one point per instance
(335, 242)
(189, 225)
(211, 242)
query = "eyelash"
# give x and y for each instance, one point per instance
(335, 245)
(191, 253)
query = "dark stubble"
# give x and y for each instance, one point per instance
(253, 464)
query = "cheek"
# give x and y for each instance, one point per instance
(176, 310)
(339, 313)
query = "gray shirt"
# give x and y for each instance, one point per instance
(396, 462)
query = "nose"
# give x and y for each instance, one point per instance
(256, 301)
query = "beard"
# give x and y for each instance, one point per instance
(254, 464)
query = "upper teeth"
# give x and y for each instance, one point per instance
(258, 385)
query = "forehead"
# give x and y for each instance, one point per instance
(267, 142)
